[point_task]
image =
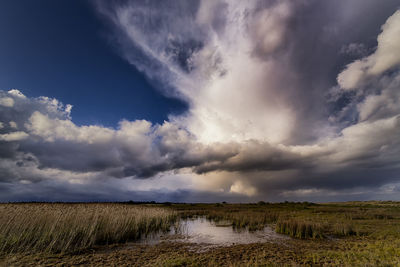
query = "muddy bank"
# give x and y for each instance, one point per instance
(175, 254)
(352, 251)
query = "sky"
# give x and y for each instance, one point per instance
(199, 101)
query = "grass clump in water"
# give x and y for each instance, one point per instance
(299, 229)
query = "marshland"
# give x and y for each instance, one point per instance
(346, 234)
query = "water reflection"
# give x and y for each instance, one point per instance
(203, 231)
(200, 230)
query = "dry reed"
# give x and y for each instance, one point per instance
(74, 227)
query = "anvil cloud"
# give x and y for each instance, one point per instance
(283, 103)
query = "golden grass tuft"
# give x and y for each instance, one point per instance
(300, 229)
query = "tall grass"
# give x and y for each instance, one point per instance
(344, 229)
(74, 227)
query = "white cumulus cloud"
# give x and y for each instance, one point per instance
(384, 58)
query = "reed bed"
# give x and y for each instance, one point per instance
(75, 227)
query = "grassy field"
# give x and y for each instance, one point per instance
(334, 234)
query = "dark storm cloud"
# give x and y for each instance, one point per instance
(316, 34)
(258, 156)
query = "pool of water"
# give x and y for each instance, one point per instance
(200, 231)
(203, 231)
